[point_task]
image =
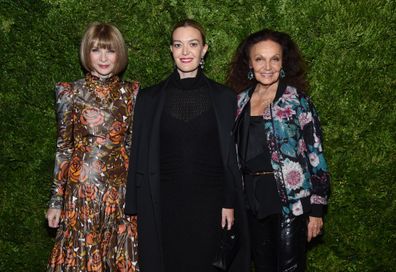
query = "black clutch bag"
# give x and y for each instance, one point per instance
(228, 248)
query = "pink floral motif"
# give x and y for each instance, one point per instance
(301, 146)
(315, 199)
(313, 159)
(275, 157)
(317, 143)
(283, 112)
(293, 174)
(289, 94)
(297, 208)
(304, 119)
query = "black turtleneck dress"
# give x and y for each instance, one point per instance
(192, 177)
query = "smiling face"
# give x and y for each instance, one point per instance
(103, 61)
(187, 50)
(266, 62)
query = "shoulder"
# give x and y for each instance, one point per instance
(221, 87)
(65, 90)
(153, 90)
(132, 87)
(222, 90)
(292, 94)
(244, 97)
(297, 99)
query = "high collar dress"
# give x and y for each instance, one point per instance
(94, 119)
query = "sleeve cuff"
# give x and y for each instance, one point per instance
(56, 202)
(316, 210)
(229, 200)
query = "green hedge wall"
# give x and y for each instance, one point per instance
(350, 49)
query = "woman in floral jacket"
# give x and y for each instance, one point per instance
(286, 181)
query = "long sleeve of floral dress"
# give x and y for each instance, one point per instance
(128, 137)
(64, 144)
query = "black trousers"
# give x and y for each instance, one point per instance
(278, 243)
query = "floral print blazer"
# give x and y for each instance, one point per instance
(295, 142)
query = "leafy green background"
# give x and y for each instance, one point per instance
(350, 49)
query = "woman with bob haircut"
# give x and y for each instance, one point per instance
(185, 184)
(279, 139)
(94, 117)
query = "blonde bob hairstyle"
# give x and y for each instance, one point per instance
(106, 36)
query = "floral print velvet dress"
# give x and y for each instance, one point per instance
(94, 136)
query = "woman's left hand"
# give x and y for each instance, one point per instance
(315, 225)
(227, 218)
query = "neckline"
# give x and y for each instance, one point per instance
(105, 90)
(190, 83)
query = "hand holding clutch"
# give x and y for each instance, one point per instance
(228, 248)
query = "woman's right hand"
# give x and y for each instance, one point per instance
(53, 217)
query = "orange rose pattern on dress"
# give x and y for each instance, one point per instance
(94, 136)
(92, 117)
(116, 132)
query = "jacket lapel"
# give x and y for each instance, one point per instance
(222, 112)
(153, 150)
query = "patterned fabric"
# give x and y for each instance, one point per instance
(94, 137)
(295, 142)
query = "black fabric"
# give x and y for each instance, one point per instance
(261, 192)
(143, 187)
(192, 178)
(278, 243)
(257, 153)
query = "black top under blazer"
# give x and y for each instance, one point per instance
(142, 194)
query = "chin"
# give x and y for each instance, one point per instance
(187, 69)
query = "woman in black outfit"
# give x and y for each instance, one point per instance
(184, 183)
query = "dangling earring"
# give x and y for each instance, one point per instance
(250, 74)
(202, 63)
(282, 73)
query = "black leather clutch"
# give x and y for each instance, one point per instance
(228, 248)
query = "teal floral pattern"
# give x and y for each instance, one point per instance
(295, 142)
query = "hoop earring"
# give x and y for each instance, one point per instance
(202, 63)
(250, 74)
(282, 73)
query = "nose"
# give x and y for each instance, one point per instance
(267, 65)
(185, 50)
(103, 56)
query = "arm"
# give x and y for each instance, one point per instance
(133, 88)
(320, 178)
(230, 196)
(64, 150)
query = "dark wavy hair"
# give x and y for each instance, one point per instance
(293, 63)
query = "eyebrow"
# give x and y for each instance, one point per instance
(187, 41)
(276, 55)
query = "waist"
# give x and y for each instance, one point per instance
(257, 173)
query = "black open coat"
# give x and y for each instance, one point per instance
(142, 195)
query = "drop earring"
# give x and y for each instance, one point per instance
(282, 73)
(202, 63)
(250, 74)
